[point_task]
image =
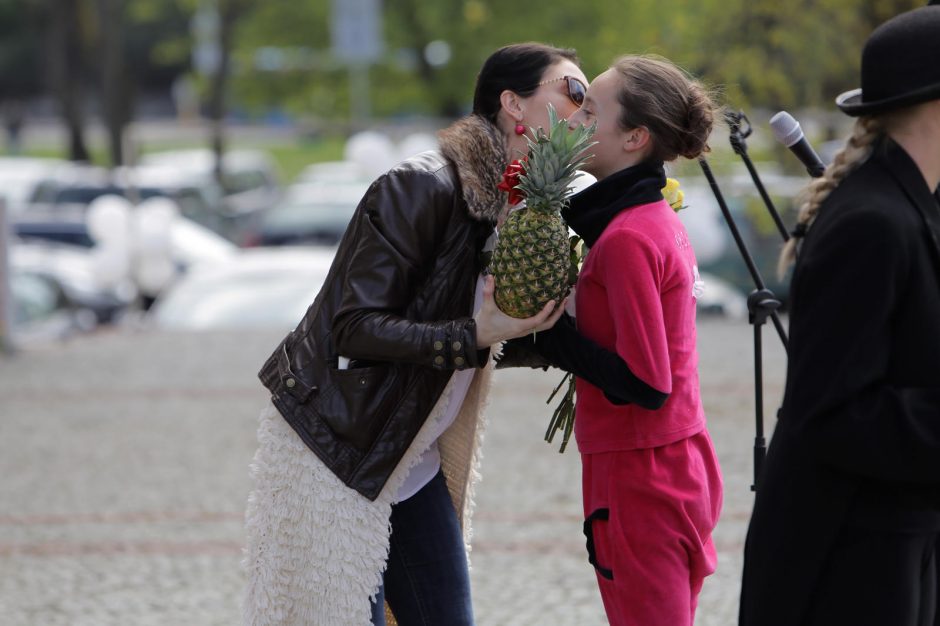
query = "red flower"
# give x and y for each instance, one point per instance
(511, 180)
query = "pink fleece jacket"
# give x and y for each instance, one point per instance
(636, 295)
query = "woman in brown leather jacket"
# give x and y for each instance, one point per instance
(365, 458)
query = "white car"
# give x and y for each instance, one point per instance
(257, 288)
(311, 213)
(20, 176)
(249, 177)
(721, 298)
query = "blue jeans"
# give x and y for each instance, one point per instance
(426, 581)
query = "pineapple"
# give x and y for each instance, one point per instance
(531, 261)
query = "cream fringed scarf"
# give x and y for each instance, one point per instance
(316, 549)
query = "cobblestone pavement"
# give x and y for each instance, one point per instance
(123, 478)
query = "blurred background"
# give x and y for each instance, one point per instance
(142, 137)
(174, 178)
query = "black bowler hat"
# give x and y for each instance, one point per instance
(900, 64)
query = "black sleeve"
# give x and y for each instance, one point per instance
(564, 347)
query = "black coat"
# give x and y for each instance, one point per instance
(859, 433)
(397, 302)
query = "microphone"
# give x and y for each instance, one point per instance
(788, 132)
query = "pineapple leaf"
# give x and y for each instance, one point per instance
(554, 157)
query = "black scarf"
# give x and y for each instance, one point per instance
(591, 210)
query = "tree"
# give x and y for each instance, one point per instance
(277, 55)
(139, 45)
(229, 12)
(786, 54)
(65, 42)
(20, 75)
(115, 90)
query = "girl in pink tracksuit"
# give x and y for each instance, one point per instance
(651, 483)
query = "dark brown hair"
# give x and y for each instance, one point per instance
(676, 109)
(518, 68)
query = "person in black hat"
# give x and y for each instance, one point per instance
(847, 514)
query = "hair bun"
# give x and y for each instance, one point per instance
(700, 119)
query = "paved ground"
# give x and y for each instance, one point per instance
(123, 477)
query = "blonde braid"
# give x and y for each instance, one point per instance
(856, 150)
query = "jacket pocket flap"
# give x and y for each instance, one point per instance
(292, 383)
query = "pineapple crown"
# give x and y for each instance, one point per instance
(553, 162)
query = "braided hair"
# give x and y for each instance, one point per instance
(855, 152)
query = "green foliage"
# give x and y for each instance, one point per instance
(292, 158)
(762, 53)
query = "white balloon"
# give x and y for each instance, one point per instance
(111, 265)
(108, 218)
(153, 224)
(372, 151)
(154, 268)
(153, 273)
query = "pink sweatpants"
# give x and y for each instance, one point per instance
(654, 549)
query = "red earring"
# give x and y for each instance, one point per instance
(519, 129)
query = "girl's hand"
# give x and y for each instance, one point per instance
(569, 303)
(494, 326)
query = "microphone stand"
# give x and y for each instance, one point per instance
(738, 135)
(762, 303)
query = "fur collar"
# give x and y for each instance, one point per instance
(478, 152)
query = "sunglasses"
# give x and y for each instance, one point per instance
(576, 89)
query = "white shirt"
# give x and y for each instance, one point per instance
(430, 462)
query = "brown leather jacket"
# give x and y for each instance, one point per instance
(397, 302)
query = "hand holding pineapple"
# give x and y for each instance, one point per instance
(494, 326)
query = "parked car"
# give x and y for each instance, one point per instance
(312, 213)
(250, 180)
(19, 177)
(721, 298)
(189, 244)
(254, 288)
(198, 199)
(41, 312)
(38, 308)
(62, 225)
(72, 269)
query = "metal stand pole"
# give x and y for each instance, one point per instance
(742, 247)
(740, 130)
(761, 304)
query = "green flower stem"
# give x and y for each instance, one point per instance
(563, 417)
